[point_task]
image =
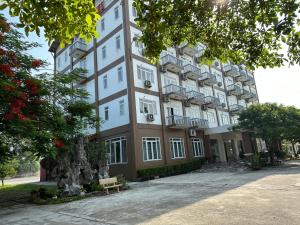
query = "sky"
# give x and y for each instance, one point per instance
(279, 85)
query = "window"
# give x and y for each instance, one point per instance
(219, 78)
(198, 147)
(145, 74)
(66, 55)
(169, 80)
(106, 113)
(177, 148)
(120, 74)
(122, 107)
(134, 12)
(225, 119)
(117, 12)
(211, 117)
(222, 98)
(58, 62)
(117, 150)
(147, 107)
(151, 149)
(118, 42)
(104, 52)
(105, 83)
(102, 24)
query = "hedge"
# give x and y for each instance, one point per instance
(165, 171)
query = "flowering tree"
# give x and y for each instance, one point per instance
(43, 113)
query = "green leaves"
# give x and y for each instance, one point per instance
(61, 19)
(249, 32)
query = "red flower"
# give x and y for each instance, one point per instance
(8, 88)
(23, 95)
(6, 69)
(9, 116)
(59, 143)
(17, 82)
(36, 63)
(22, 117)
(32, 86)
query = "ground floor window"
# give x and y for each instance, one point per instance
(198, 147)
(177, 148)
(151, 149)
(117, 150)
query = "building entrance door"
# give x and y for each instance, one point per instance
(229, 150)
(214, 148)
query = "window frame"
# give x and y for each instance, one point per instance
(102, 24)
(122, 143)
(198, 147)
(103, 52)
(145, 143)
(105, 81)
(144, 73)
(106, 113)
(178, 142)
(145, 102)
(116, 12)
(118, 42)
(122, 107)
(120, 74)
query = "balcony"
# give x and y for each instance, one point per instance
(208, 79)
(178, 122)
(234, 89)
(187, 49)
(191, 72)
(246, 94)
(175, 92)
(234, 109)
(171, 63)
(231, 70)
(198, 123)
(252, 97)
(242, 78)
(195, 97)
(78, 49)
(212, 102)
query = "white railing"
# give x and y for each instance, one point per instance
(171, 59)
(190, 68)
(200, 123)
(176, 89)
(78, 45)
(176, 120)
(208, 76)
(195, 95)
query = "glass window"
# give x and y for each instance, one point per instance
(66, 55)
(102, 24)
(225, 119)
(122, 107)
(177, 148)
(134, 11)
(105, 83)
(117, 150)
(120, 74)
(117, 12)
(145, 74)
(198, 147)
(151, 149)
(118, 42)
(58, 62)
(106, 113)
(222, 98)
(147, 107)
(104, 52)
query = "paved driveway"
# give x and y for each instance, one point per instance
(270, 196)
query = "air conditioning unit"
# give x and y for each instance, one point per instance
(147, 84)
(223, 105)
(192, 133)
(166, 98)
(183, 76)
(204, 107)
(187, 103)
(217, 64)
(150, 117)
(163, 69)
(219, 84)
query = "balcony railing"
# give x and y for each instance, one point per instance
(195, 97)
(192, 72)
(249, 80)
(212, 102)
(245, 94)
(232, 70)
(243, 72)
(236, 108)
(187, 49)
(78, 49)
(234, 89)
(199, 123)
(242, 78)
(171, 63)
(175, 91)
(252, 97)
(208, 78)
(179, 122)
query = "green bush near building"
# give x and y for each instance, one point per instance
(164, 171)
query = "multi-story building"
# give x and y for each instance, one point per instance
(154, 115)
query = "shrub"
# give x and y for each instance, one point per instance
(256, 161)
(164, 171)
(121, 179)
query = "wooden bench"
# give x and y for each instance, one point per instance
(110, 183)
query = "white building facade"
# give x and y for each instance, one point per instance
(155, 115)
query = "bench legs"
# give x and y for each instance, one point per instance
(118, 189)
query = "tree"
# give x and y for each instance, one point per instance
(61, 19)
(7, 169)
(43, 113)
(250, 32)
(292, 122)
(267, 122)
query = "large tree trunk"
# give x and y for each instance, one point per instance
(74, 170)
(2, 180)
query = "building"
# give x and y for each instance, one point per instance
(157, 114)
